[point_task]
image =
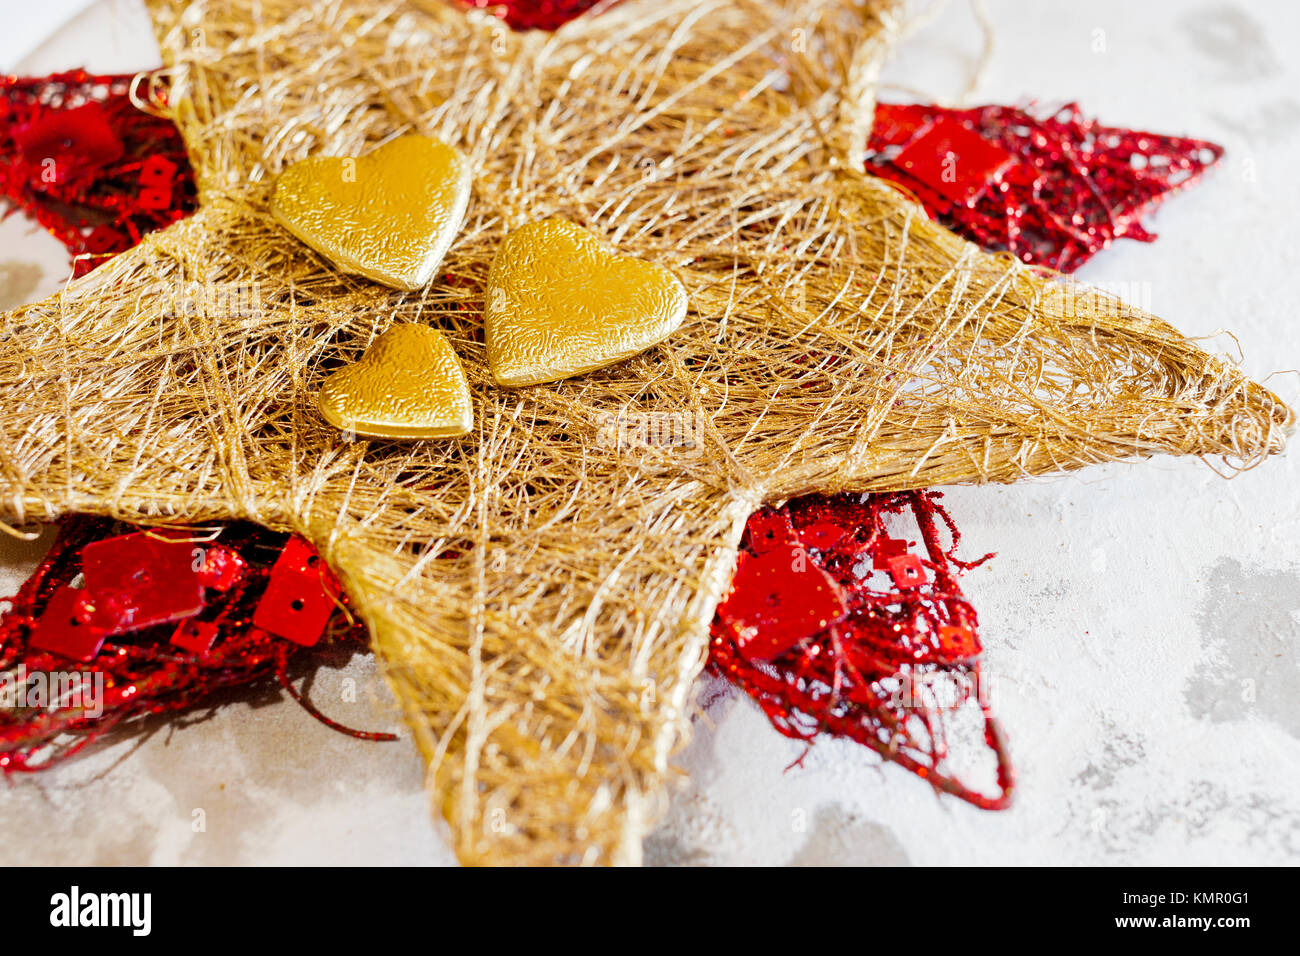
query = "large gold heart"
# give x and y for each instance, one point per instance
(389, 215)
(409, 384)
(559, 304)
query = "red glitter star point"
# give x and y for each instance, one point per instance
(1053, 190)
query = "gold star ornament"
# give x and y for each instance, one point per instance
(540, 589)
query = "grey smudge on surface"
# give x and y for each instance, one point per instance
(714, 699)
(18, 280)
(840, 838)
(694, 827)
(1228, 35)
(1120, 750)
(666, 848)
(1270, 123)
(697, 832)
(1252, 642)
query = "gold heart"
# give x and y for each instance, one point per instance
(559, 304)
(409, 384)
(388, 216)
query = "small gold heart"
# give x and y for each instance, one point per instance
(559, 304)
(388, 216)
(409, 384)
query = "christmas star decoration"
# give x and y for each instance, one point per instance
(540, 591)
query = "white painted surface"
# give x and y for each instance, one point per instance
(1142, 622)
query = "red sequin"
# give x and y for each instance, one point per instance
(149, 578)
(300, 596)
(197, 637)
(67, 144)
(907, 571)
(767, 529)
(886, 550)
(157, 172)
(821, 535)
(779, 598)
(67, 628)
(957, 643)
(954, 160)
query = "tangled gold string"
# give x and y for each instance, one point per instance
(540, 591)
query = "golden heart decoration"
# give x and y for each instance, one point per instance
(389, 215)
(409, 384)
(560, 304)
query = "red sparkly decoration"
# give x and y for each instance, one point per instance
(82, 160)
(885, 662)
(197, 637)
(537, 14)
(300, 597)
(68, 144)
(143, 579)
(778, 598)
(98, 619)
(67, 627)
(1052, 190)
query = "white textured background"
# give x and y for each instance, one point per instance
(1142, 622)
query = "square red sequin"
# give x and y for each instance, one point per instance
(299, 596)
(953, 160)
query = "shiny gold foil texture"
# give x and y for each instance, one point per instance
(389, 215)
(559, 304)
(409, 384)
